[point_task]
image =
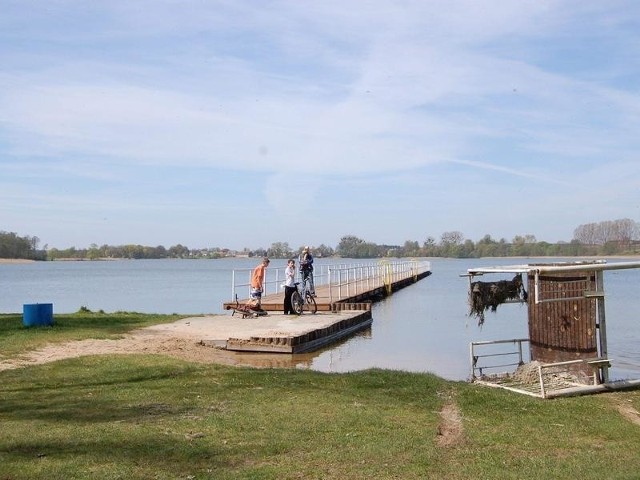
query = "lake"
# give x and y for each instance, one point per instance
(422, 328)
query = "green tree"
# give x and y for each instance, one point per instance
(178, 251)
(279, 250)
(449, 243)
(467, 249)
(323, 250)
(429, 247)
(350, 246)
(410, 249)
(14, 246)
(94, 252)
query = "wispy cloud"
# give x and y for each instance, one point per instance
(511, 171)
(537, 91)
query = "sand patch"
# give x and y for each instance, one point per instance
(450, 431)
(627, 411)
(180, 340)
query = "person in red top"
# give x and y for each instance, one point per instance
(257, 282)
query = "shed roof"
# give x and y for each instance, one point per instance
(595, 265)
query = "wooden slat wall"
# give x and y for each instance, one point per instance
(563, 330)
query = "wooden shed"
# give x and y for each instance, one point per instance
(567, 344)
(563, 323)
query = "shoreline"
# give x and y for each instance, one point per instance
(517, 257)
(182, 339)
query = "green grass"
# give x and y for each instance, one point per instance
(153, 417)
(16, 338)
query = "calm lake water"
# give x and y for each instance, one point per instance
(422, 328)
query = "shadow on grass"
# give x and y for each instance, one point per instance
(106, 412)
(69, 390)
(153, 453)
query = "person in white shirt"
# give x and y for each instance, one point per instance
(289, 286)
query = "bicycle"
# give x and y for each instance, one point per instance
(302, 300)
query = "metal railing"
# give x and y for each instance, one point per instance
(545, 380)
(479, 362)
(274, 278)
(343, 280)
(572, 373)
(349, 280)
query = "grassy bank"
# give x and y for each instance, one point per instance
(14, 338)
(143, 416)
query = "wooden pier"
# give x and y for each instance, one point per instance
(344, 294)
(339, 287)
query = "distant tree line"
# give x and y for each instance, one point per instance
(94, 252)
(621, 232)
(14, 246)
(615, 237)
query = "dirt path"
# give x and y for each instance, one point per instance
(450, 429)
(627, 411)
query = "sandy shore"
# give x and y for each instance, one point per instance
(180, 339)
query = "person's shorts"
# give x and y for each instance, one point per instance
(256, 293)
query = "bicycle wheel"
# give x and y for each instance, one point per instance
(310, 304)
(296, 302)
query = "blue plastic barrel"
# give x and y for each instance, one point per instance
(34, 314)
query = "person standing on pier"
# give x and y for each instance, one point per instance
(289, 286)
(257, 283)
(306, 269)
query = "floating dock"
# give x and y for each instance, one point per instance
(338, 287)
(344, 295)
(279, 333)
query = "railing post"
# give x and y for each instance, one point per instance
(520, 352)
(473, 367)
(233, 285)
(277, 278)
(542, 392)
(351, 276)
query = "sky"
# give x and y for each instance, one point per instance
(239, 124)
